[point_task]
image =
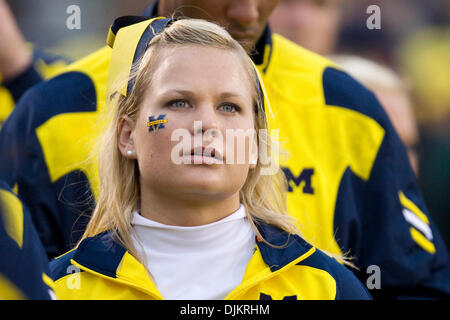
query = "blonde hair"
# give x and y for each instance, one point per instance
(263, 196)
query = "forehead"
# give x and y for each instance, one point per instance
(202, 68)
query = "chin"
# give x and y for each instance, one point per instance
(207, 185)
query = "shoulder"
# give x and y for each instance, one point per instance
(77, 89)
(100, 253)
(348, 286)
(318, 275)
(296, 56)
(71, 91)
(341, 90)
(299, 66)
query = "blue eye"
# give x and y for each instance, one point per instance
(179, 104)
(230, 108)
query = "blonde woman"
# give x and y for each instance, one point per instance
(205, 227)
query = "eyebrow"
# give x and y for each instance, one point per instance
(189, 93)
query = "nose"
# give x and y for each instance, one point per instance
(206, 124)
(243, 12)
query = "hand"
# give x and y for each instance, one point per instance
(15, 56)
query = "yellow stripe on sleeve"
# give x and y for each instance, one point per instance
(408, 204)
(422, 241)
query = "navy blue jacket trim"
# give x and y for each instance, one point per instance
(101, 253)
(258, 54)
(292, 246)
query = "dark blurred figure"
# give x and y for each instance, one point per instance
(15, 57)
(424, 57)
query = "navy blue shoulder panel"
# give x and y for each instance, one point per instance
(69, 92)
(292, 246)
(101, 253)
(340, 89)
(348, 287)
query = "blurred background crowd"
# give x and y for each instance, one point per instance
(406, 62)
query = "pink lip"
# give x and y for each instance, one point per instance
(203, 155)
(200, 159)
(207, 152)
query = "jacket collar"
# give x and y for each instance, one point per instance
(263, 49)
(289, 246)
(103, 254)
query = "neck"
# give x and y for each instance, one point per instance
(189, 211)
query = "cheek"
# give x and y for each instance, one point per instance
(153, 144)
(240, 144)
(267, 7)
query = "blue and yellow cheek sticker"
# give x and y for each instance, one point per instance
(154, 124)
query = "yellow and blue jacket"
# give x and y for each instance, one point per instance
(100, 268)
(24, 272)
(43, 66)
(350, 182)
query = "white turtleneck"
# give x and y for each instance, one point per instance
(195, 263)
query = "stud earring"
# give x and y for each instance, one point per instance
(129, 152)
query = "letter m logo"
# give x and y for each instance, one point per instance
(263, 296)
(158, 123)
(305, 177)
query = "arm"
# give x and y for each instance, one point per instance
(398, 234)
(23, 168)
(25, 273)
(15, 57)
(383, 220)
(20, 66)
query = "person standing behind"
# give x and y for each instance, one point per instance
(24, 272)
(313, 24)
(21, 67)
